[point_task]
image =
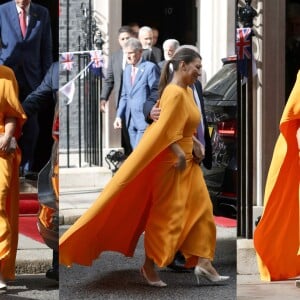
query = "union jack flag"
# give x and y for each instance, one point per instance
(67, 61)
(243, 43)
(96, 58)
(243, 49)
(97, 62)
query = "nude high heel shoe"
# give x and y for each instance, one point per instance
(3, 285)
(201, 272)
(158, 283)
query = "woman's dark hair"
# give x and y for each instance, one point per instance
(185, 54)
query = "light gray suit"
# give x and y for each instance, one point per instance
(134, 96)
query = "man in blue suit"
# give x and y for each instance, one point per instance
(140, 84)
(26, 47)
(113, 81)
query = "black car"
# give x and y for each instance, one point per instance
(48, 218)
(220, 101)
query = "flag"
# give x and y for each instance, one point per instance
(97, 62)
(68, 90)
(243, 49)
(67, 61)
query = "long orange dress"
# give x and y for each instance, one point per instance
(9, 175)
(148, 194)
(277, 236)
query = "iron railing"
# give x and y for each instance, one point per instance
(81, 120)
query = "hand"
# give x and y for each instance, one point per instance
(198, 150)
(181, 163)
(4, 142)
(103, 106)
(118, 123)
(155, 112)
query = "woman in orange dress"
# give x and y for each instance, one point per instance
(12, 118)
(158, 190)
(277, 236)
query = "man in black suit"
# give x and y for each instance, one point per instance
(150, 53)
(113, 81)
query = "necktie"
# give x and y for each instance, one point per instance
(22, 17)
(133, 70)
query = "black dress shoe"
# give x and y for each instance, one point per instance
(52, 274)
(178, 264)
(31, 176)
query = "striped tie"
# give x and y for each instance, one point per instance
(133, 70)
(22, 18)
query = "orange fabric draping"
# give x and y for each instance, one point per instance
(277, 236)
(149, 194)
(9, 175)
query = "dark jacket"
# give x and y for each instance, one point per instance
(45, 94)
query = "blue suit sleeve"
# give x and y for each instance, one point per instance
(42, 97)
(153, 81)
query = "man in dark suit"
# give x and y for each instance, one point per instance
(150, 52)
(140, 84)
(44, 98)
(113, 81)
(26, 47)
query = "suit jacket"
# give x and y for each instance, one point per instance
(45, 94)
(154, 55)
(133, 97)
(207, 161)
(113, 79)
(31, 57)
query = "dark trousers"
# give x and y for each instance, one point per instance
(27, 143)
(125, 141)
(55, 264)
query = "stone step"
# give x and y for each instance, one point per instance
(27, 186)
(83, 179)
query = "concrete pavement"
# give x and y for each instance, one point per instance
(32, 257)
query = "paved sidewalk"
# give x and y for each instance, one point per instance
(32, 257)
(251, 287)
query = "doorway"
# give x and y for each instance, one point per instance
(173, 18)
(292, 44)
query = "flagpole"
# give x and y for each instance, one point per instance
(245, 120)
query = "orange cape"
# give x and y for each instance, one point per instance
(277, 237)
(120, 214)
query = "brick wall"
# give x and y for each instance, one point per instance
(69, 32)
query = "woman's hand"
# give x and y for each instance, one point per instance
(181, 161)
(4, 143)
(198, 150)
